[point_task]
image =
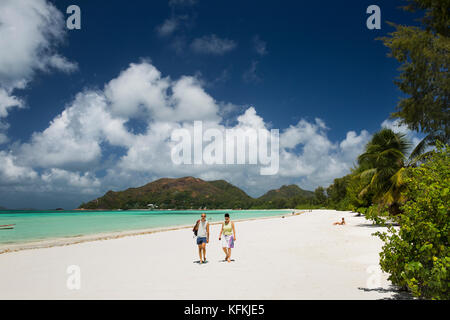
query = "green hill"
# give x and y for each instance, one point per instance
(285, 197)
(195, 193)
(286, 192)
(187, 192)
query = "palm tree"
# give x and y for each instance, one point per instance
(382, 167)
(420, 151)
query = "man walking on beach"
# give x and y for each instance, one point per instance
(202, 228)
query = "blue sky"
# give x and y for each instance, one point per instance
(291, 62)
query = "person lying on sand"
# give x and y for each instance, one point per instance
(339, 223)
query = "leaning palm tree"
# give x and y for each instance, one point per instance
(421, 151)
(382, 167)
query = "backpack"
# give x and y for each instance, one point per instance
(195, 230)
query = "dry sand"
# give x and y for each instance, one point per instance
(297, 257)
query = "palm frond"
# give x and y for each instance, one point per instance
(368, 173)
(398, 179)
(420, 148)
(419, 154)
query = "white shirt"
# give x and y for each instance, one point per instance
(201, 233)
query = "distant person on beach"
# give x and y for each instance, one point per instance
(202, 232)
(339, 223)
(228, 236)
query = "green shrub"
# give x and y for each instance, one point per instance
(344, 205)
(417, 254)
(379, 214)
(361, 210)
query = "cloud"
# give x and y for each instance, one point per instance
(61, 63)
(353, 144)
(7, 101)
(172, 24)
(211, 44)
(57, 180)
(24, 180)
(167, 27)
(90, 148)
(320, 160)
(3, 137)
(30, 31)
(191, 102)
(73, 141)
(11, 173)
(138, 90)
(176, 20)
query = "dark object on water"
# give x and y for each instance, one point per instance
(8, 228)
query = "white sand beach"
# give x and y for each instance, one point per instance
(296, 257)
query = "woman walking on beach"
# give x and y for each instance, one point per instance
(229, 236)
(201, 230)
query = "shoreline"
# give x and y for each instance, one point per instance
(71, 240)
(305, 257)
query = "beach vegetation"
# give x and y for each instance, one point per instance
(320, 197)
(382, 169)
(416, 254)
(423, 52)
(378, 178)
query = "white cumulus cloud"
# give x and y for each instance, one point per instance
(90, 148)
(30, 31)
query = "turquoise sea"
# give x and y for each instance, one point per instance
(41, 225)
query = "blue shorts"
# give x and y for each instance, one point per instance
(201, 240)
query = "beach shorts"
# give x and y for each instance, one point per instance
(227, 242)
(201, 240)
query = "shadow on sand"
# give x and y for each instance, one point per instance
(398, 294)
(198, 261)
(369, 225)
(374, 225)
